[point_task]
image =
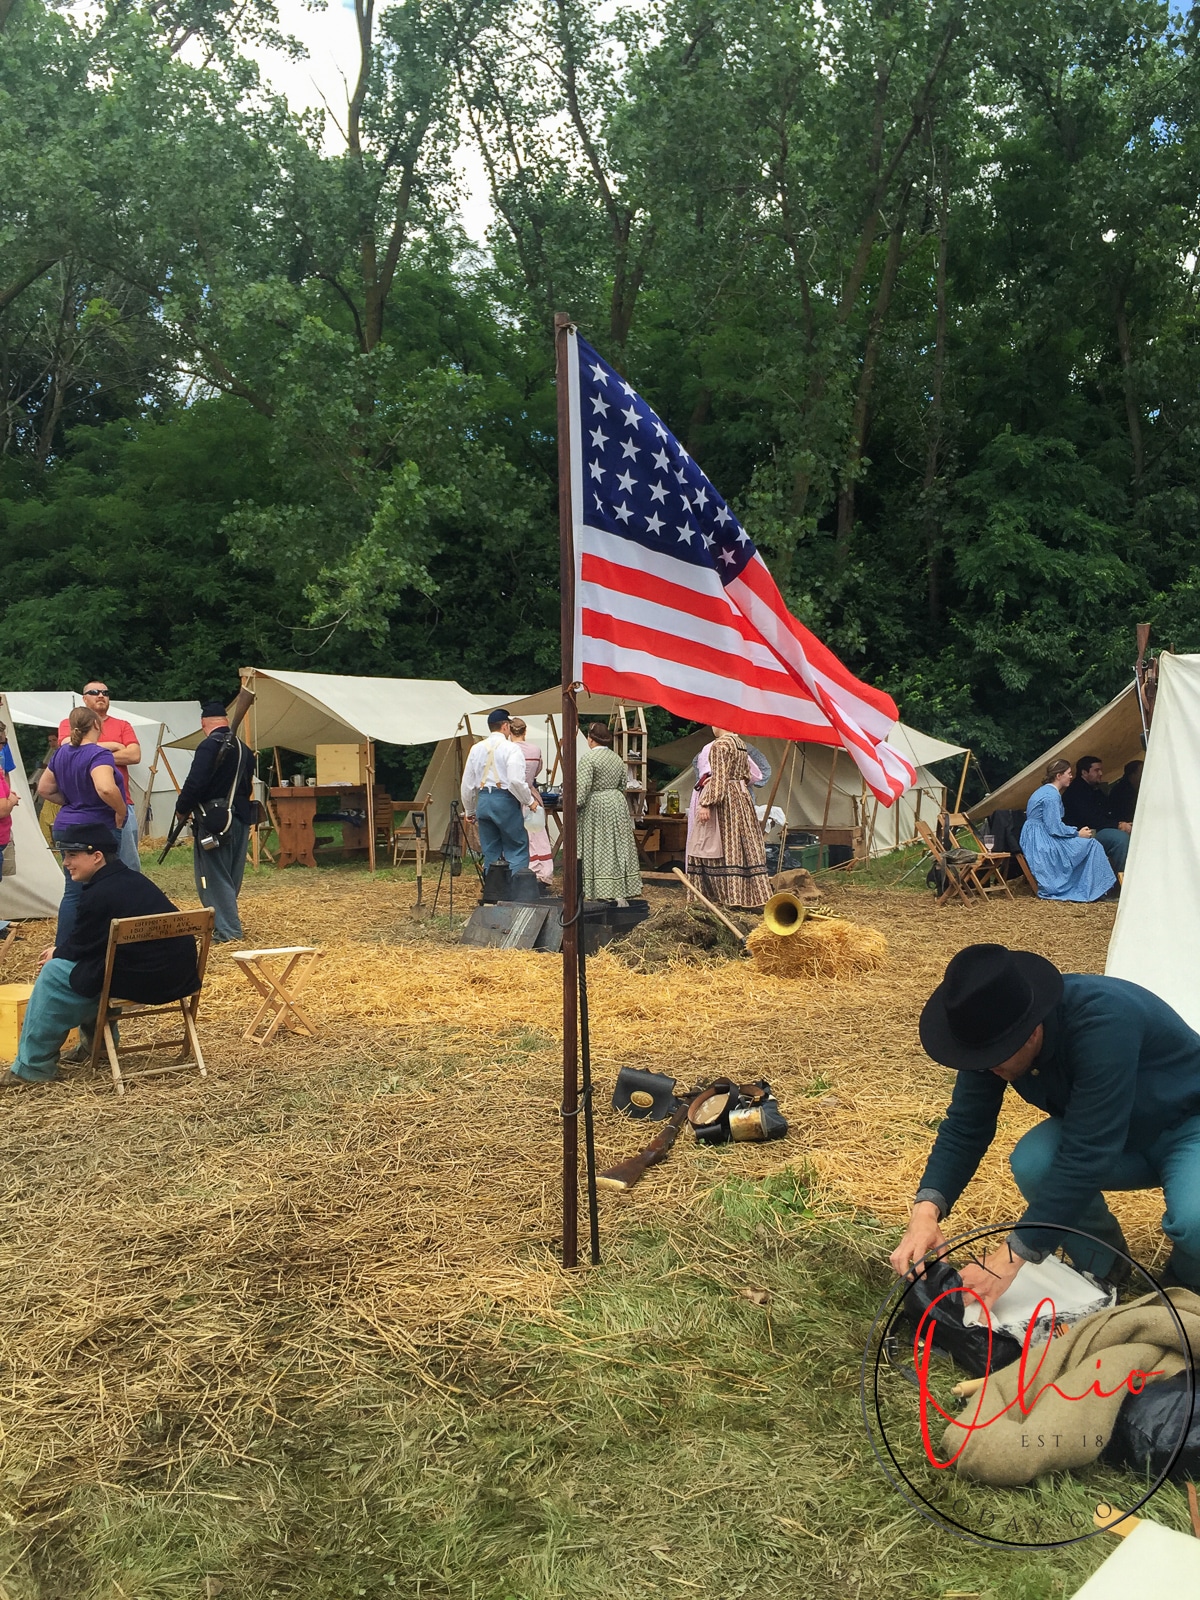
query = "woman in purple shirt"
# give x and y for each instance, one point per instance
(81, 777)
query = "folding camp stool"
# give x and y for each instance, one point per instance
(279, 989)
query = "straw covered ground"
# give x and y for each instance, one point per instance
(182, 1267)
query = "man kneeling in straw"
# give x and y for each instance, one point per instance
(1118, 1073)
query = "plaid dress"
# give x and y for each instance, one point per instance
(606, 841)
(738, 877)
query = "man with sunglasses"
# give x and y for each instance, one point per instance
(118, 736)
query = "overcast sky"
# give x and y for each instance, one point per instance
(332, 65)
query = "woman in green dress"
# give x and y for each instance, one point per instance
(606, 843)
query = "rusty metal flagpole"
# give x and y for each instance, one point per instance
(570, 723)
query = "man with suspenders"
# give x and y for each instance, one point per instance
(494, 793)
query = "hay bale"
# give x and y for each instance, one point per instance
(825, 948)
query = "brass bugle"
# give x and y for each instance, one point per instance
(784, 912)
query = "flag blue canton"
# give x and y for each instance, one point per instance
(640, 483)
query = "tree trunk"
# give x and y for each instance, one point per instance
(933, 452)
(1132, 416)
(866, 381)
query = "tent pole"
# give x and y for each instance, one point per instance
(371, 804)
(962, 782)
(766, 822)
(569, 1109)
(829, 791)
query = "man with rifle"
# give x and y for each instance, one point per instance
(217, 796)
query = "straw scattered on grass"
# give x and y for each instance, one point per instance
(179, 1266)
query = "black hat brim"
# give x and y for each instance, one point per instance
(939, 1042)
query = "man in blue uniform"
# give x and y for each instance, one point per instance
(67, 992)
(1118, 1073)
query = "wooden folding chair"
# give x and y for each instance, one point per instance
(952, 872)
(1027, 873)
(279, 989)
(412, 835)
(987, 874)
(136, 930)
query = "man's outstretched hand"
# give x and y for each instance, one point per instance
(923, 1234)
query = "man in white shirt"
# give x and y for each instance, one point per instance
(495, 794)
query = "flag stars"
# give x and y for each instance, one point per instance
(655, 523)
(599, 405)
(659, 429)
(631, 416)
(686, 534)
(681, 476)
(701, 497)
(626, 482)
(728, 557)
(630, 391)
(596, 470)
(599, 439)
(599, 373)
(723, 515)
(630, 449)
(658, 493)
(709, 541)
(743, 536)
(623, 511)
(661, 460)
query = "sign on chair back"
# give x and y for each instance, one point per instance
(113, 1009)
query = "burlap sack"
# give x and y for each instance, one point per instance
(1003, 1443)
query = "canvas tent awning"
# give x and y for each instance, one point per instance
(300, 710)
(1157, 931)
(1114, 734)
(33, 881)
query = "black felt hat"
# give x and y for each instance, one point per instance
(213, 708)
(989, 1002)
(497, 719)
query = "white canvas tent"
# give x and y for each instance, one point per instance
(1114, 734)
(819, 785)
(1157, 931)
(32, 883)
(300, 710)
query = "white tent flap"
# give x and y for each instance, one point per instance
(33, 882)
(1157, 931)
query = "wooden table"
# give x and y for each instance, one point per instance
(296, 812)
(661, 841)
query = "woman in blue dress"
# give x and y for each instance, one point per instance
(1068, 863)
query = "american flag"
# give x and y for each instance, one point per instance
(675, 607)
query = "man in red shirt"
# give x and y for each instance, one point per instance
(118, 736)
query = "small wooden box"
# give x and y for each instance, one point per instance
(14, 997)
(341, 763)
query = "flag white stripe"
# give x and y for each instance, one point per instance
(704, 685)
(682, 625)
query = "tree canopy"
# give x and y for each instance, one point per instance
(915, 283)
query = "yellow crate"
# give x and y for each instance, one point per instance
(14, 997)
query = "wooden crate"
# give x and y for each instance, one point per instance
(341, 763)
(14, 997)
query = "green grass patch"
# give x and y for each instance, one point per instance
(686, 1423)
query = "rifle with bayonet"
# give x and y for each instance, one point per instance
(245, 699)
